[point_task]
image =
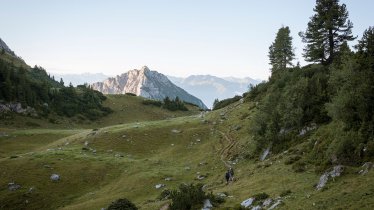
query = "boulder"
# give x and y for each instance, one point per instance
(55, 177)
(247, 203)
(158, 186)
(267, 202)
(366, 168)
(256, 208)
(176, 131)
(275, 205)
(335, 172)
(265, 154)
(12, 186)
(207, 205)
(200, 177)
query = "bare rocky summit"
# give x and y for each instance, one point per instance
(145, 83)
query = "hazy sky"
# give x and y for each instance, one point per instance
(179, 38)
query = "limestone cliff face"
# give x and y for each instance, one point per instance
(145, 83)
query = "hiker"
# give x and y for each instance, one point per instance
(227, 176)
(231, 173)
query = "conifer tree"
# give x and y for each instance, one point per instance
(281, 51)
(327, 29)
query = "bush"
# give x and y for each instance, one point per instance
(226, 102)
(191, 197)
(122, 204)
(285, 193)
(299, 167)
(130, 94)
(152, 102)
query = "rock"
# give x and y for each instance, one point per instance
(12, 186)
(256, 208)
(221, 194)
(198, 140)
(247, 203)
(265, 154)
(55, 177)
(86, 143)
(168, 179)
(200, 177)
(267, 202)
(335, 172)
(203, 163)
(237, 127)
(322, 181)
(32, 189)
(123, 136)
(158, 186)
(187, 168)
(366, 168)
(172, 145)
(176, 131)
(207, 205)
(275, 205)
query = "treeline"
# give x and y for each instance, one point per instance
(167, 103)
(35, 88)
(335, 93)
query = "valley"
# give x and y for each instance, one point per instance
(98, 165)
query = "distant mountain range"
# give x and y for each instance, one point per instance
(145, 83)
(80, 79)
(208, 88)
(205, 87)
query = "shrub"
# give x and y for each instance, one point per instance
(299, 167)
(226, 102)
(152, 102)
(285, 193)
(130, 94)
(292, 159)
(122, 204)
(191, 197)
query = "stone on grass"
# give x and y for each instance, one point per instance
(265, 154)
(335, 172)
(366, 168)
(55, 177)
(168, 179)
(158, 186)
(256, 207)
(12, 186)
(267, 202)
(207, 205)
(200, 177)
(275, 205)
(176, 131)
(247, 203)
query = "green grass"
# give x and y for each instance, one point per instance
(133, 156)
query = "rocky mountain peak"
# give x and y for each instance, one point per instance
(146, 83)
(4, 46)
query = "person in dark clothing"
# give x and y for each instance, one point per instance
(227, 176)
(231, 172)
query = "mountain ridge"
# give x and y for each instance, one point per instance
(146, 83)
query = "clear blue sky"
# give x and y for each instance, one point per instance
(180, 38)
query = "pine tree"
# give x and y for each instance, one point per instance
(281, 51)
(326, 31)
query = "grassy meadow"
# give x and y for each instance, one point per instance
(135, 148)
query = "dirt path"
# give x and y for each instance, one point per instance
(225, 151)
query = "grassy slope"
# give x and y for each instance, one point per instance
(131, 158)
(126, 109)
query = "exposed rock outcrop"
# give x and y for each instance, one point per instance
(145, 83)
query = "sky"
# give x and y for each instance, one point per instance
(178, 38)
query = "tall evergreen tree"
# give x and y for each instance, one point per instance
(281, 51)
(326, 31)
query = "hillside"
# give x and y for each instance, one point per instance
(128, 160)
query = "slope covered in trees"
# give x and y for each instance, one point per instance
(35, 88)
(334, 96)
